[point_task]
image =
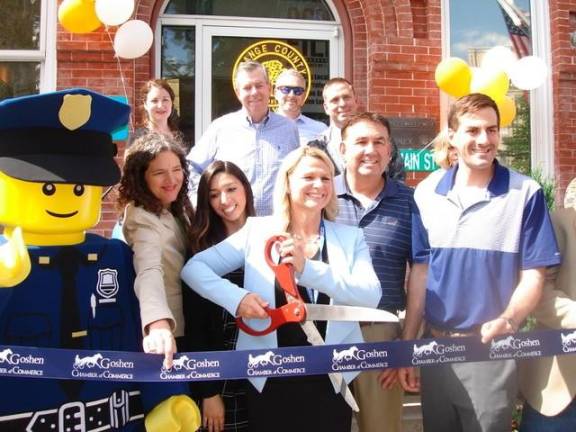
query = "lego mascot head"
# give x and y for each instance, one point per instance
(56, 154)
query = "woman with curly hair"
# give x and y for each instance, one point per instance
(225, 201)
(157, 222)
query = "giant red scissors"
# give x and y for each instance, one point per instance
(297, 311)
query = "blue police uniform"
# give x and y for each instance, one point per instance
(31, 314)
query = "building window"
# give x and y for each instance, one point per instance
(316, 10)
(27, 47)
(471, 28)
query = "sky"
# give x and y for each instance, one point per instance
(479, 24)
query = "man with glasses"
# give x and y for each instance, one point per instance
(253, 138)
(291, 96)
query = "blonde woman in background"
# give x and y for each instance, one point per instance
(445, 155)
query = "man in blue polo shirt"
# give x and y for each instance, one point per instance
(382, 207)
(485, 234)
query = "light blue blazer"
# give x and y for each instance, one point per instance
(348, 279)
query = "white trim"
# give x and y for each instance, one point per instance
(329, 3)
(49, 68)
(21, 55)
(541, 101)
(445, 31)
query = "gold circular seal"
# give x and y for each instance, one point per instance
(276, 56)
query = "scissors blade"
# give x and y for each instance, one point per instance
(336, 378)
(319, 312)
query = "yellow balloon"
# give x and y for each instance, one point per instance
(491, 82)
(453, 75)
(507, 109)
(78, 16)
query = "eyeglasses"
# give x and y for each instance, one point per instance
(287, 89)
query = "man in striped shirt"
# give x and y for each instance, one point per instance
(484, 232)
(382, 207)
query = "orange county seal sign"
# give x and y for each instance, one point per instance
(275, 56)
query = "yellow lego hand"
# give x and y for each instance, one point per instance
(14, 259)
(175, 414)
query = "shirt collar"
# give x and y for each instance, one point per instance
(341, 187)
(499, 184)
(249, 119)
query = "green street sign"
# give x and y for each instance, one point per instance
(418, 160)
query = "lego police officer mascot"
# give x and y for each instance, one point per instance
(61, 287)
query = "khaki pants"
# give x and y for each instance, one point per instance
(380, 410)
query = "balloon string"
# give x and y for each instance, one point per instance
(122, 79)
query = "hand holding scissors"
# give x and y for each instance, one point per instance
(296, 310)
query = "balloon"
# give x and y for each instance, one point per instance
(453, 76)
(78, 16)
(491, 82)
(529, 73)
(499, 57)
(133, 39)
(114, 12)
(507, 109)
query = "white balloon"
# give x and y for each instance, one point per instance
(114, 12)
(529, 73)
(499, 57)
(133, 39)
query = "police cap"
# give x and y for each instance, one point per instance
(61, 137)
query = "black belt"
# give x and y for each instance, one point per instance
(109, 413)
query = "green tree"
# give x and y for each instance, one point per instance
(516, 148)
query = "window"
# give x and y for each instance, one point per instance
(292, 9)
(470, 29)
(25, 40)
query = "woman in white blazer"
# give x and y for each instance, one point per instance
(157, 217)
(332, 264)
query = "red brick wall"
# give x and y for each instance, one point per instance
(397, 45)
(392, 48)
(563, 22)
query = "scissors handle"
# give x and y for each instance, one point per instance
(294, 311)
(284, 272)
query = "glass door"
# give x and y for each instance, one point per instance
(276, 49)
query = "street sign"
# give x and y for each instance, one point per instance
(418, 160)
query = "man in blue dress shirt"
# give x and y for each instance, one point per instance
(253, 138)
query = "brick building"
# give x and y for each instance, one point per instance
(388, 48)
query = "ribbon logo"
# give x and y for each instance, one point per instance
(513, 347)
(355, 358)
(568, 341)
(270, 364)
(184, 367)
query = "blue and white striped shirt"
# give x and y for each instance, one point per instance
(387, 226)
(257, 148)
(476, 251)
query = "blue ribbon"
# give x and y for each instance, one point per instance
(29, 362)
